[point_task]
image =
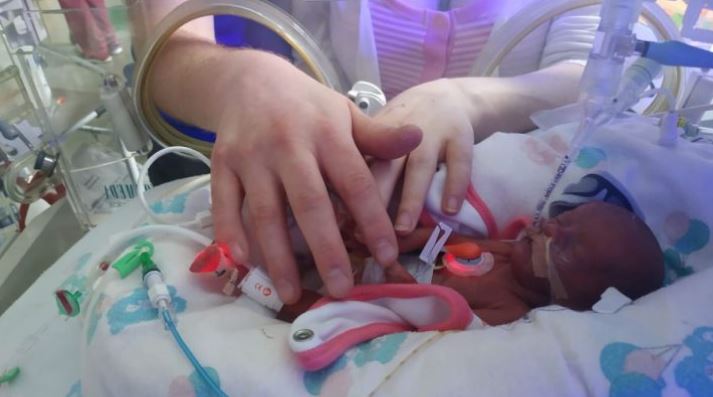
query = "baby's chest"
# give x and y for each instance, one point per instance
(491, 290)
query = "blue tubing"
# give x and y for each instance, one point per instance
(189, 354)
(676, 53)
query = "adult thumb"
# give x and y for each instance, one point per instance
(381, 141)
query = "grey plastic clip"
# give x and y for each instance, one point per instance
(435, 243)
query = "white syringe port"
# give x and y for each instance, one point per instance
(613, 43)
(157, 289)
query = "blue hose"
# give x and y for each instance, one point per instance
(676, 53)
(189, 354)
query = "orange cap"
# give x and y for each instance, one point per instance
(467, 249)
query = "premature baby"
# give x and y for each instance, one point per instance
(571, 261)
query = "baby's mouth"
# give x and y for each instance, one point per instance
(523, 261)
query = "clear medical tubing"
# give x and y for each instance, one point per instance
(637, 79)
(256, 10)
(612, 45)
(143, 176)
(200, 369)
(115, 98)
(507, 37)
(600, 81)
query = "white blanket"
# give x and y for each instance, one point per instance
(661, 345)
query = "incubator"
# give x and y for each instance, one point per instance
(89, 126)
(75, 110)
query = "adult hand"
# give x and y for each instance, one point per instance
(439, 108)
(283, 138)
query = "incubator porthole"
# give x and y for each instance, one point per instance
(306, 53)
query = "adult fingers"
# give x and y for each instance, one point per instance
(386, 175)
(380, 140)
(268, 214)
(420, 167)
(313, 210)
(227, 198)
(354, 183)
(459, 157)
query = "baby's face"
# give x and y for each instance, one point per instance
(589, 249)
(583, 248)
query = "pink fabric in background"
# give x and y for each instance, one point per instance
(416, 45)
(90, 27)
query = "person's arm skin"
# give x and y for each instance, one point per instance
(454, 114)
(281, 137)
(506, 104)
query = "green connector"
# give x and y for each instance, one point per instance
(68, 302)
(9, 375)
(133, 259)
(147, 264)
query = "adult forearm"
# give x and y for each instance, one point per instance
(191, 79)
(506, 104)
(192, 76)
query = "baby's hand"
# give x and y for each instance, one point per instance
(439, 109)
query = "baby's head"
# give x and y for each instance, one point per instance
(584, 251)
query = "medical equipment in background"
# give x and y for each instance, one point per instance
(101, 172)
(368, 97)
(527, 20)
(9, 217)
(701, 91)
(21, 30)
(70, 303)
(98, 165)
(614, 42)
(115, 97)
(11, 132)
(690, 28)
